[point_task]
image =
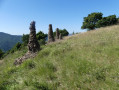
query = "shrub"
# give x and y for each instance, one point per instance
(42, 42)
(64, 32)
(25, 39)
(16, 47)
(1, 53)
(40, 36)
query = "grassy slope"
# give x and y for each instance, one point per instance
(88, 61)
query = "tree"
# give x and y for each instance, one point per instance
(1, 53)
(25, 39)
(107, 21)
(16, 47)
(64, 32)
(91, 20)
(41, 38)
(40, 35)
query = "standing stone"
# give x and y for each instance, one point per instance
(57, 33)
(60, 36)
(50, 34)
(33, 45)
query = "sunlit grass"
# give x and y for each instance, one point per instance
(87, 61)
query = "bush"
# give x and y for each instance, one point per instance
(16, 47)
(42, 42)
(64, 32)
(41, 37)
(25, 39)
(1, 53)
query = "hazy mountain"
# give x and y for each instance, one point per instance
(7, 41)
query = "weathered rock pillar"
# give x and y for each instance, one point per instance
(33, 45)
(57, 33)
(60, 36)
(50, 34)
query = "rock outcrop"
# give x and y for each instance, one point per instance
(57, 33)
(50, 34)
(33, 45)
(60, 36)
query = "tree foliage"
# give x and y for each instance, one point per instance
(64, 32)
(107, 21)
(16, 47)
(1, 53)
(40, 36)
(91, 20)
(95, 20)
(25, 39)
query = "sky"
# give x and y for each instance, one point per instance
(16, 15)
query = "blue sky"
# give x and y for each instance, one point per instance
(16, 15)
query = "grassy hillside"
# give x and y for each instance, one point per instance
(88, 61)
(7, 41)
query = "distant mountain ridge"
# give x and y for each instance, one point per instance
(7, 41)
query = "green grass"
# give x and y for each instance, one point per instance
(87, 61)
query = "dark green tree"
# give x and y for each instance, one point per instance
(1, 53)
(25, 39)
(41, 38)
(107, 21)
(91, 20)
(64, 32)
(40, 35)
(16, 47)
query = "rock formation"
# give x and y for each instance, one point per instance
(57, 33)
(50, 34)
(20, 60)
(33, 45)
(60, 36)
